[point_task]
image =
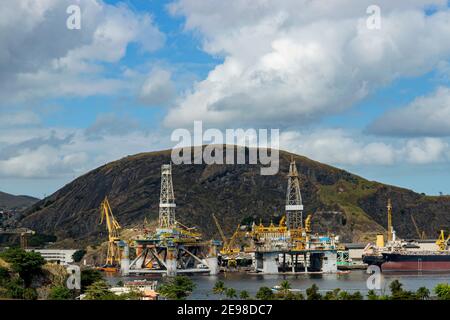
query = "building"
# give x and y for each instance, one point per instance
(58, 256)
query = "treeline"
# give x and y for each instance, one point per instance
(181, 287)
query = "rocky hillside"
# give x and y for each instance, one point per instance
(12, 202)
(340, 202)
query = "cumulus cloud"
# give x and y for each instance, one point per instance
(39, 153)
(425, 116)
(341, 147)
(40, 56)
(158, 88)
(290, 62)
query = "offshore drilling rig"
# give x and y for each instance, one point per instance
(173, 248)
(290, 246)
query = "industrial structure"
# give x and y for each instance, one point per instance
(113, 228)
(291, 246)
(173, 248)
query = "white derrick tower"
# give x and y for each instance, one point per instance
(167, 199)
(294, 205)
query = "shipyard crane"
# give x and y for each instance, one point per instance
(442, 242)
(113, 227)
(228, 245)
(420, 234)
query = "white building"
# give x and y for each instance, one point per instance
(58, 256)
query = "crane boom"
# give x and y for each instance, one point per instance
(113, 227)
(222, 235)
(420, 234)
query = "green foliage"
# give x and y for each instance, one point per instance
(312, 293)
(177, 288)
(78, 255)
(120, 283)
(60, 293)
(26, 264)
(244, 295)
(219, 287)
(231, 293)
(372, 295)
(15, 289)
(88, 277)
(285, 286)
(264, 293)
(99, 290)
(397, 292)
(4, 276)
(30, 294)
(422, 293)
(442, 290)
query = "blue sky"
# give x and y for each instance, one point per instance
(374, 101)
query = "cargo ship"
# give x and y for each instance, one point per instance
(417, 261)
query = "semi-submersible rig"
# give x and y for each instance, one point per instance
(174, 248)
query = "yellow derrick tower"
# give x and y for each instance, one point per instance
(113, 227)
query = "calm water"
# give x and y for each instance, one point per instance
(354, 281)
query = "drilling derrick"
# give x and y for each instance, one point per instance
(294, 205)
(167, 199)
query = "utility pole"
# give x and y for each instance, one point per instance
(167, 199)
(294, 205)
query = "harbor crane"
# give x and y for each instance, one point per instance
(113, 227)
(228, 245)
(442, 242)
(420, 234)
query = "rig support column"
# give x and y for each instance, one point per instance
(125, 261)
(171, 262)
(270, 265)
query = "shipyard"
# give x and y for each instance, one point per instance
(257, 252)
(217, 159)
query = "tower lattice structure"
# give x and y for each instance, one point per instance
(294, 204)
(167, 199)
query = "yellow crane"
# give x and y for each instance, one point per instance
(442, 242)
(113, 227)
(228, 245)
(420, 234)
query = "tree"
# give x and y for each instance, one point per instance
(26, 264)
(372, 295)
(243, 295)
(264, 293)
(88, 277)
(177, 288)
(99, 290)
(422, 293)
(78, 255)
(398, 293)
(231, 293)
(332, 295)
(396, 287)
(285, 286)
(312, 293)
(219, 287)
(30, 294)
(60, 293)
(442, 290)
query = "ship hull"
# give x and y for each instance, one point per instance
(416, 263)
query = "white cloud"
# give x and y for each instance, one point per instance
(340, 147)
(40, 57)
(158, 89)
(290, 62)
(425, 116)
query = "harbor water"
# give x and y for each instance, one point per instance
(356, 280)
